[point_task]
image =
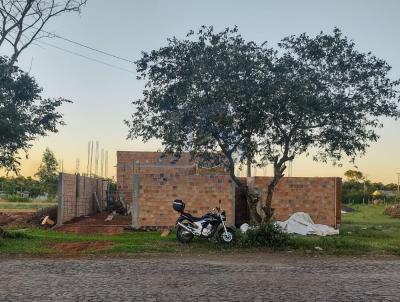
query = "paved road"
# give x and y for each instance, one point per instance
(260, 277)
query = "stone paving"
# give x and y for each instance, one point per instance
(252, 277)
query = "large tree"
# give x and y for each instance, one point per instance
(327, 101)
(23, 21)
(24, 114)
(199, 96)
(215, 92)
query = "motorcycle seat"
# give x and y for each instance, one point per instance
(192, 218)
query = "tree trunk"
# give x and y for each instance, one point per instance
(2, 233)
(251, 198)
(278, 174)
(252, 202)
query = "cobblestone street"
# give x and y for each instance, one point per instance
(259, 277)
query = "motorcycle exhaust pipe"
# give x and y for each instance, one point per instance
(185, 227)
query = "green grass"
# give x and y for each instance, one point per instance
(366, 231)
(43, 242)
(23, 206)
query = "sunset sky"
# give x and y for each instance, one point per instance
(101, 95)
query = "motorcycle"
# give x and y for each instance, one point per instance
(188, 226)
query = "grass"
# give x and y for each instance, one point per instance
(23, 206)
(366, 231)
(44, 242)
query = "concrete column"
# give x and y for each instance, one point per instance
(135, 201)
(60, 193)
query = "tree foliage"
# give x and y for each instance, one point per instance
(199, 95)
(24, 114)
(327, 98)
(354, 175)
(216, 92)
(48, 172)
(14, 185)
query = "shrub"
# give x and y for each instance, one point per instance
(265, 235)
(14, 235)
(17, 198)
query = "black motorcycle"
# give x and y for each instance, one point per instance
(188, 226)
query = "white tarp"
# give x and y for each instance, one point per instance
(301, 223)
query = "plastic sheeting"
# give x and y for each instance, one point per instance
(244, 227)
(302, 224)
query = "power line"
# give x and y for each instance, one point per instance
(86, 57)
(86, 46)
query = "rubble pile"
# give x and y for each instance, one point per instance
(393, 211)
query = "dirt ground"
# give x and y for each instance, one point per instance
(93, 224)
(73, 248)
(96, 224)
(99, 219)
(15, 218)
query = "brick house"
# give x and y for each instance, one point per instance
(150, 182)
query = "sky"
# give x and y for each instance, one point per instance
(102, 95)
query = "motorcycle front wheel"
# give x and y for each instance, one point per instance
(227, 237)
(183, 235)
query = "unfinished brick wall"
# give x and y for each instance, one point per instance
(76, 196)
(130, 162)
(317, 196)
(201, 193)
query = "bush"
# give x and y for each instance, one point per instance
(265, 235)
(17, 198)
(13, 235)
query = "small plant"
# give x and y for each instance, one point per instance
(265, 235)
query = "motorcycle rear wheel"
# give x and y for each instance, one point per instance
(183, 235)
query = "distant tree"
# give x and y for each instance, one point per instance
(353, 175)
(48, 172)
(24, 114)
(23, 21)
(13, 185)
(199, 97)
(327, 100)
(391, 187)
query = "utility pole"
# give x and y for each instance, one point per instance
(102, 163)
(364, 187)
(398, 184)
(91, 159)
(88, 159)
(106, 164)
(248, 168)
(290, 168)
(96, 160)
(77, 166)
